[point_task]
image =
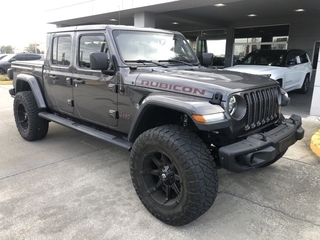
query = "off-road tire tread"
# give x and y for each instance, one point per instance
(37, 127)
(199, 166)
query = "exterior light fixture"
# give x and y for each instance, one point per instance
(299, 10)
(252, 15)
(175, 23)
(113, 20)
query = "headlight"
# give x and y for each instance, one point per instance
(265, 75)
(232, 105)
(236, 107)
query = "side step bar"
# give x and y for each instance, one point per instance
(88, 130)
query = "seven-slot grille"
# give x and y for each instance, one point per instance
(262, 107)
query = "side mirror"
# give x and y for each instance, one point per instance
(99, 61)
(12, 60)
(207, 59)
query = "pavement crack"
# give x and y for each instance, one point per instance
(271, 208)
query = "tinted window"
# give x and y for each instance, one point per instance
(20, 57)
(291, 59)
(271, 58)
(304, 58)
(89, 44)
(61, 50)
(33, 57)
(297, 58)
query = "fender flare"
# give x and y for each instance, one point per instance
(35, 88)
(188, 105)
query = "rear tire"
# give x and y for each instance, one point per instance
(30, 126)
(173, 174)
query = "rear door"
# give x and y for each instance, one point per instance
(58, 72)
(95, 94)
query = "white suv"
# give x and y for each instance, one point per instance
(291, 68)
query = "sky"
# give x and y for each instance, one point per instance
(24, 22)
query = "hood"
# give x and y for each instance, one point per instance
(253, 69)
(202, 82)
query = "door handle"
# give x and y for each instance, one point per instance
(79, 81)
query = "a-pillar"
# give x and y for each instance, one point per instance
(144, 19)
(228, 62)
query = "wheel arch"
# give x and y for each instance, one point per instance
(148, 118)
(25, 82)
(280, 81)
(156, 110)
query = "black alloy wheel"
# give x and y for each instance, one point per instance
(174, 174)
(30, 126)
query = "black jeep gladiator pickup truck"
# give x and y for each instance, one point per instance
(144, 90)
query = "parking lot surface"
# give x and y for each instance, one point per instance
(72, 186)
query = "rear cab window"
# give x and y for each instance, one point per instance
(61, 51)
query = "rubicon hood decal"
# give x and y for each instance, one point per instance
(203, 82)
(174, 87)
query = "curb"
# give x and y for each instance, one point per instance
(5, 82)
(315, 143)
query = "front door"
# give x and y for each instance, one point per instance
(94, 93)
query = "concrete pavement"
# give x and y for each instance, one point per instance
(72, 186)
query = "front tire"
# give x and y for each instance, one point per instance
(305, 86)
(30, 126)
(173, 174)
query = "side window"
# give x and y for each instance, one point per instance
(61, 51)
(291, 59)
(89, 44)
(33, 57)
(20, 57)
(304, 58)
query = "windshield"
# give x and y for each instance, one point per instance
(265, 57)
(151, 47)
(7, 58)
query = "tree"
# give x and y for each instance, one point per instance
(32, 48)
(7, 49)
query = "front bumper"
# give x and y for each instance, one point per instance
(261, 148)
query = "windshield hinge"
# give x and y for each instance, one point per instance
(216, 98)
(113, 87)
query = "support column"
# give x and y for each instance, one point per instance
(315, 106)
(228, 62)
(144, 19)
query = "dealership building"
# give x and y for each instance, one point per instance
(243, 25)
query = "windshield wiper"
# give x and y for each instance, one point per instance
(177, 61)
(147, 61)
